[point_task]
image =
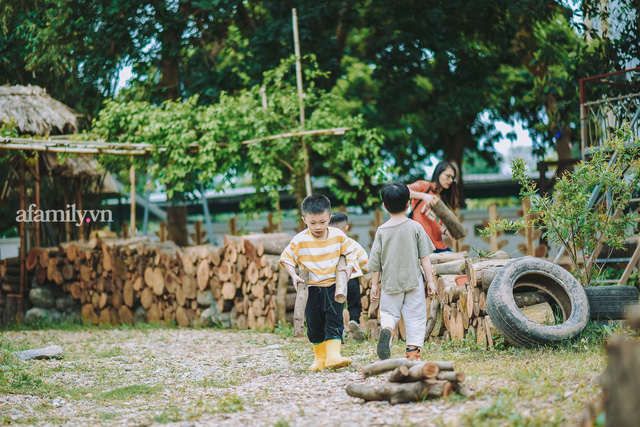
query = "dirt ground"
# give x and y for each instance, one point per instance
(206, 377)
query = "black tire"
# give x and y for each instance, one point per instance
(611, 302)
(530, 273)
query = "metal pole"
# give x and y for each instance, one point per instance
(207, 217)
(132, 177)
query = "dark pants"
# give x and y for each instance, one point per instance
(437, 251)
(354, 303)
(323, 315)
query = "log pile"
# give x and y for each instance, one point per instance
(116, 281)
(411, 381)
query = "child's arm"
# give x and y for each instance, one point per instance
(428, 271)
(294, 276)
(375, 285)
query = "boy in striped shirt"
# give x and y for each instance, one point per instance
(318, 249)
(340, 221)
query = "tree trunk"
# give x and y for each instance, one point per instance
(177, 219)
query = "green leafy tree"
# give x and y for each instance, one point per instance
(568, 219)
(220, 132)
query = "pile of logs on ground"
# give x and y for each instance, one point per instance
(411, 381)
(117, 280)
(458, 310)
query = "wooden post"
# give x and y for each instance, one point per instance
(132, 178)
(79, 202)
(23, 242)
(305, 153)
(301, 304)
(37, 201)
(341, 281)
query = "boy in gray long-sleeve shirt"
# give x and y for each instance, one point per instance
(400, 246)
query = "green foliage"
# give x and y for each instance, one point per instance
(127, 392)
(567, 219)
(220, 132)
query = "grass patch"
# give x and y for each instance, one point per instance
(220, 382)
(170, 415)
(129, 391)
(230, 403)
(112, 352)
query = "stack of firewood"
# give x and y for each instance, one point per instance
(411, 381)
(249, 281)
(117, 280)
(463, 304)
(459, 308)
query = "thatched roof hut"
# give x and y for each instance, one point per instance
(35, 112)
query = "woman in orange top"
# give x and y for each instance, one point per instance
(425, 194)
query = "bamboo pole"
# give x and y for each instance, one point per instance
(305, 153)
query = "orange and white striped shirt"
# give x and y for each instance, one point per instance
(363, 259)
(320, 257)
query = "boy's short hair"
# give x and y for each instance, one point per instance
(338, 218)
(316, 204)
(395, 196)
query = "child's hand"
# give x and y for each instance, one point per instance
(375, 291)
(296, 279)
(431, 289)
(348, 270)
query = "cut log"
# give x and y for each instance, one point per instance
(138, 284)
(449, 219)
(252, 274)
(189, 286)
(446, 257)
(474, 269)
(125, 315)
(146, 298)
(301, 304)
(403, 374)
(390, 364)
(182, 317)
(228, 291)
(157, 281)
(540, 313)
(432, 316)
(401, 393)
(33, 258)
(463, 390)
(452, 376)
(203, 274)
(526, 299)
(128, 294)
(341, 281)
(68, 272)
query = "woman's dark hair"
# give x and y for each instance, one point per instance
(449, 197)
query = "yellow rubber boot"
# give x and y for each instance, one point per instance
(334, 359)
(320, 354)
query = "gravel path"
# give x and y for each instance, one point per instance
(206, 377)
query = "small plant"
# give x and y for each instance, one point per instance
(571, 218)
